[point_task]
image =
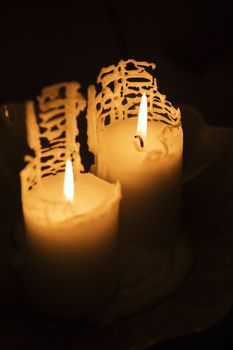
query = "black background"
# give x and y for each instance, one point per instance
(191, 43)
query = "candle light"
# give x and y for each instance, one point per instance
(70, 217)
(142, 122)
(141, 148)
(69, 182)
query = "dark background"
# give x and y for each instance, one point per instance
(191, 43)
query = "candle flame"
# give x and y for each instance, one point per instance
(142, 118)
(6, 112)
(69, 182)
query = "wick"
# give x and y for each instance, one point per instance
(140, 140)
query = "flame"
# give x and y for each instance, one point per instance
(6, 112)
(142, 118)
(69, 182)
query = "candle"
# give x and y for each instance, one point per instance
(70, 218)
(144, 154)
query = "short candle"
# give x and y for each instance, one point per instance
(70, 219)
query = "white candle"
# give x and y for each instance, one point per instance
(151, 173)
(70, 223)
(71, 244)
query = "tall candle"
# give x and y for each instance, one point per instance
(70, 232)
(149, 167)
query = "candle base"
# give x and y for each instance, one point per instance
(66, 292)
(147, 275)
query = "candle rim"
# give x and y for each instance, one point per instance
(114, 194)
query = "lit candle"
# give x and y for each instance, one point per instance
(141, 148)
(70, 219)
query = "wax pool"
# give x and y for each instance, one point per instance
(71, 246)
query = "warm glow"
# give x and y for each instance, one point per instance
(6, 112)
(142, 118)
(69, 182)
